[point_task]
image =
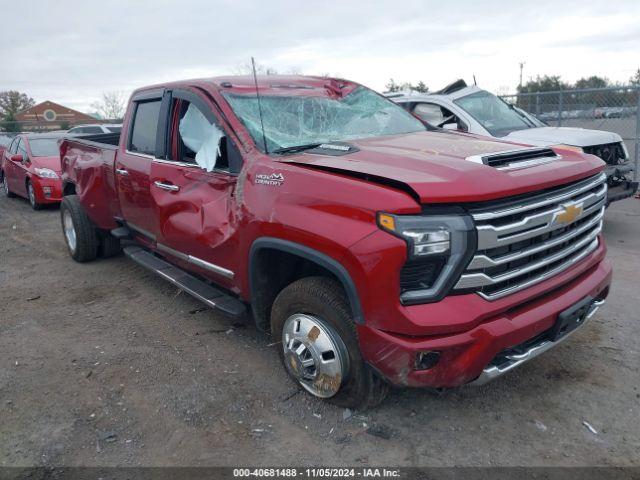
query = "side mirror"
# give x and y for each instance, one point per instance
(450, 126)
(16, 157)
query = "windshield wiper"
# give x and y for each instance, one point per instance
(296, 148)
(520, 114)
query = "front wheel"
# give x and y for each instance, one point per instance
(5, 187)
(32, 197)
(79, 233)
(319, 346)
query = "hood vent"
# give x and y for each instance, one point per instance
(516, 159)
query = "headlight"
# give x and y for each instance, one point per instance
(569, 147)
(46, 173)
(438, 249)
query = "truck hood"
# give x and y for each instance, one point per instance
(579, 137)
(433, 166)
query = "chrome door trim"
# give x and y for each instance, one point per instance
(138, 154)
(196, 261)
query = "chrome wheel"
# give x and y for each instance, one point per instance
(69, 230)
(32, 195)
(314, 354)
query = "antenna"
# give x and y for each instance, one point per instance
(255, 81)
(474, 80)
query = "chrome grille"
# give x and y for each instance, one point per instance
(526, 241)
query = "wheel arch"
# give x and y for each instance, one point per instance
(264, 287)
(68, 188)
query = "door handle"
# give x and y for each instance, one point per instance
(121, 171)
(166, 186)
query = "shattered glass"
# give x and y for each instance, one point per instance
(201, 136)
(299, 120)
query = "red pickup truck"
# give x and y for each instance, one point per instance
(378, 251)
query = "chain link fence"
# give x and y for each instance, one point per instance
(615, 109)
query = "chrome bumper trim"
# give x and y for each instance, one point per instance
(491, 372)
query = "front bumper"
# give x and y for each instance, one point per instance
(625, 188)
(47, 190)
(467, 356)
(511, 361)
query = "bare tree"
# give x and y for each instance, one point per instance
(112, 106)
(12, 102)
(245, 69)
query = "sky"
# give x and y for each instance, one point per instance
(71, 52)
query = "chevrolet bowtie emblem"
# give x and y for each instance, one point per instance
(569, 213)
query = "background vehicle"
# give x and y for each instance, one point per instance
(31, 168)
(96, 128)
(5, 140)
(471, 109)
(374, 249)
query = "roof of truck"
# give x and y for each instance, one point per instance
(271, 83)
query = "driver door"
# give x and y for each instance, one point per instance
(193, 190)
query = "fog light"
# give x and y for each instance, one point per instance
(47, 191)
(426, 360)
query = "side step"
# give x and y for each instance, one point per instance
(121, 233)
(202, 291)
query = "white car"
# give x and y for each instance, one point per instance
(96, 128)
(471, 109)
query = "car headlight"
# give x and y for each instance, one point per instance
(438, 248)
(46, 173)
(569, 147)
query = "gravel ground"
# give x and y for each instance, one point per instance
(105, 364)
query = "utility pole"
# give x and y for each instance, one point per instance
(521, 67)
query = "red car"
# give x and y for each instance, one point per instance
(375, 249)
(31, 168)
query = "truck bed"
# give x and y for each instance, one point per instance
(88, 164)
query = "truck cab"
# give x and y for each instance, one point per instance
(376, 250)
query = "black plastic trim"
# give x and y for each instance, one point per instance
(312, 255)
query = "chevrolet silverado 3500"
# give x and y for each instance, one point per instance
(378, 251)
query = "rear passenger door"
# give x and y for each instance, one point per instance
(193, 189)
(133, 164)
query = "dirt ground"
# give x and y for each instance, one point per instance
(105, 364)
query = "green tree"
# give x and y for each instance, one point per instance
(9, 123)
(544, 83)
(593, 82)
(635, 79)
(12, 102)
(421, 87)
(392, 86)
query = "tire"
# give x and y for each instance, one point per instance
(79, 233)
(321, 302)
(109, 246)
(31, 195)
(5, 187)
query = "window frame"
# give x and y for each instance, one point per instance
(25, 155)
(189, 96)
(146, 97)
(460, 120)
